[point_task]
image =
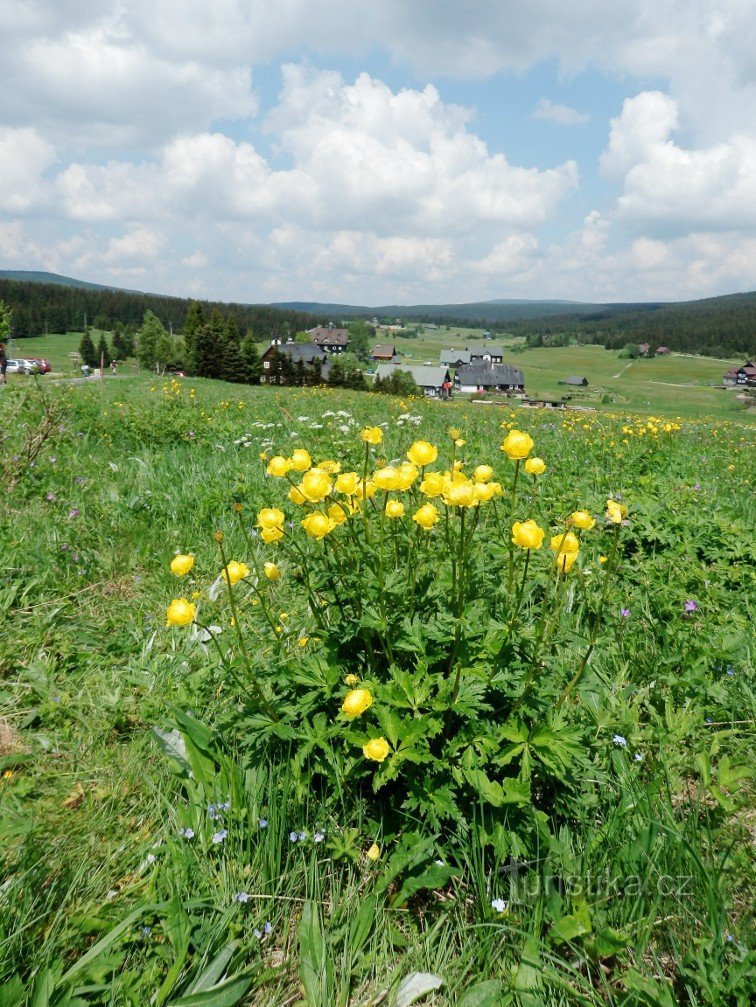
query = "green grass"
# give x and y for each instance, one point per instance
(58, 348)
(87, 668)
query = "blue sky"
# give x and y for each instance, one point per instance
(382, 152)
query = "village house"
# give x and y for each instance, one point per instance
(643, 349)
(745, 375)
(485, 376)
(454, 358)
(384, 351)
(576, 380)
(485, 351)
(292, 363)
(662, 351)
(329, 338)
(434, 381)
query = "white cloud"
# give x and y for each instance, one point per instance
(24, 157)
(562, 115)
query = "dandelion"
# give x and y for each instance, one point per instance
(619, 741)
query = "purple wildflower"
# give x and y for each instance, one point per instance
(691, 605)
(625, 612)
(74, 512)
(50, 497)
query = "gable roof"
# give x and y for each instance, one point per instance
(488, 374)
(452, 356)
(322, 334)
(576, 379)
(479, 349)
(425, 376)
(306, 352)
(384, 350)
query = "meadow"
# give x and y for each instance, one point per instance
(329, 699)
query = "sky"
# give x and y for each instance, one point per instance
(390, 152)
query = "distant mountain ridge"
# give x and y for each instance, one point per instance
(38, 276)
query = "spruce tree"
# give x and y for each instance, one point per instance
(103, 351)
(231, 362)
(193, 323)
(87, 350)
(250, 359)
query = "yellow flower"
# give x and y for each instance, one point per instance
(318, 525)
(300, 460)
(433, 484)
(376, 749)
(374, 853)
(303, 641)
(315, 485)
(460, 442)
(517, 445)
(356, 702)
(372, 435)
(527, 534)
(565, 542)
(272, 572)
(582, 519)
(461, 494)
(387, 478)
(331, 467)
(483, 473)
(422, 453)
(603, 559)
(297, 496)
(270, 535)
(235, 572)
(351, 680)
(615, 512)
(535, 466)
(278, 466)
(394, 508)
(485, 491)
(366, 490)
(182, 564)
(180, 612)
(270, 517)
(337, 513)
(426, 516)
(454, 433)
(347, 483)
(407, 475)
(564, 560)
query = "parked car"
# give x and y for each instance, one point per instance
(42, 363)
(20, 367)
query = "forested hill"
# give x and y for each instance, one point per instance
(40, 307)
(716, 326)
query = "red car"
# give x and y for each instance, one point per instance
(44, 365)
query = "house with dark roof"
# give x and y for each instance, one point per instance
(293, 364)
(384, 351)
(745, 375)
(485, 351)
(454, 358)
(662, 351)
(485, 376)
(434, 380)
(576, 380)
(329, 338)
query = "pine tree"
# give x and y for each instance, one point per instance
(231, 362)
(193, 323)
(250, 359)
(87, 350)
(103, 352)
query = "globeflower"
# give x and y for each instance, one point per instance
(422, 453)
(387, 478)
(374, 853)
(180, 612)
(583, 520)
(329, 466)
(376, 749)
(337, 513)
(297, 496)
(615, 512)
(535, 466)
(181, 564)
(485, 491)
(565, 560)
(407, 475)
(426, 516)
(234, 572)
(272, 572)
(461, 494)
(315, 485)
(433, 484)
(517, 445)
(483, 473)
(270, 517)
(278, 466)
(347, 483)
(301, 460)
(270, 535)
(318, 525)
(565, 542)
(356, 702)
(527, 534)
(372, 435)
(394, 508)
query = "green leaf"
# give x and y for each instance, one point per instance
(569, 927)
(225, 994)
(435, 876)
(314, 968)
(414, 986)
(210, 976)
(487, 994)
(528, 976)
(362, 925)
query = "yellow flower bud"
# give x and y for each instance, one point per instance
(527, 534)
(351, 680)
(181, 564)
(356, 702)
(422, 453)
(517, 445)
(180, 612)
(234, 572)
(272, 572)
(426, 516)
(374, 853)
(394, 508)
(535, 466)
(483, 473)
(376, 749)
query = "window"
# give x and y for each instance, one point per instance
(266, 364)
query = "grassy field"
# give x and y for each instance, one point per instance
(674, 385)
(564, 813)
